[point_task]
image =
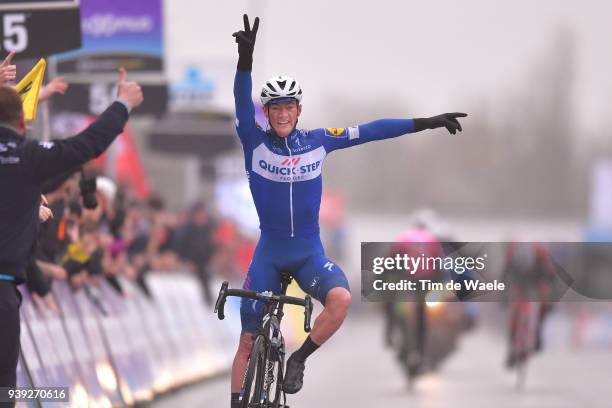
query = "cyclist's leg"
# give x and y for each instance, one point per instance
(513, 317)
(519, 331)
(325, 281)
(544, 308)
(390, 322)
(421, 325)
(262, 275)
(406, 326)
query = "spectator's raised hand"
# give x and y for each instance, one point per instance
(8, 71)
(128, 92)
(56, 85)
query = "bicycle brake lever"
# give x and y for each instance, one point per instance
(220, 304)
(307, 313)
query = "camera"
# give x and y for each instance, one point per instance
(88, 186)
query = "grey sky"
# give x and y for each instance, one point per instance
(428, 56)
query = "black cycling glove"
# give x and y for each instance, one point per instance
(246, 43)
(447, 120)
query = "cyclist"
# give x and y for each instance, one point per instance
(283, 165)
(530, 272)
(417, 241)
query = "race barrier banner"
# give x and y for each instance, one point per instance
(119, 349)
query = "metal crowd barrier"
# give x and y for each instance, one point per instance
(112, 350)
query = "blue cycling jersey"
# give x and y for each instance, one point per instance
(285, 173)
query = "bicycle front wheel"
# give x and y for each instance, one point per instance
(253, 378)
(274, 377)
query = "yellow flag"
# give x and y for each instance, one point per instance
(29, 88)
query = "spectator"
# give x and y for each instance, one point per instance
(24, 166)
(194, 244)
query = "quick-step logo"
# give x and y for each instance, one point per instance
(276, 167)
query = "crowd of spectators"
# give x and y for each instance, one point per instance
(92, 229)
(64, 220)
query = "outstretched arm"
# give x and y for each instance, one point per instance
(340, 138)
(243, 83)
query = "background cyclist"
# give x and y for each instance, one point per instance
(530, 274)
(417, 241)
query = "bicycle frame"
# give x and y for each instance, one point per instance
(274, 348)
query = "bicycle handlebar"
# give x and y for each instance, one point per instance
(224, 292)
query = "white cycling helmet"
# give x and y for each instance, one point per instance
(281, 87)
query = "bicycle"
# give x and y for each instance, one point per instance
(263, 378)
(523, 340)
(412, 352)
(428, 330)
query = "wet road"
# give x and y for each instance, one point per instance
(354, 370)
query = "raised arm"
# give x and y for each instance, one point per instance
(243, 83)
(52, 158)
(341, 138)
(245, 110)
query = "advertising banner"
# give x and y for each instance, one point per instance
(104, 370)
(117, 33)
(79, 341)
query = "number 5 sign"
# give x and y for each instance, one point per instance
(41, 28)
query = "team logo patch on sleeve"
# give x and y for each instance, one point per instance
(334, 132)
